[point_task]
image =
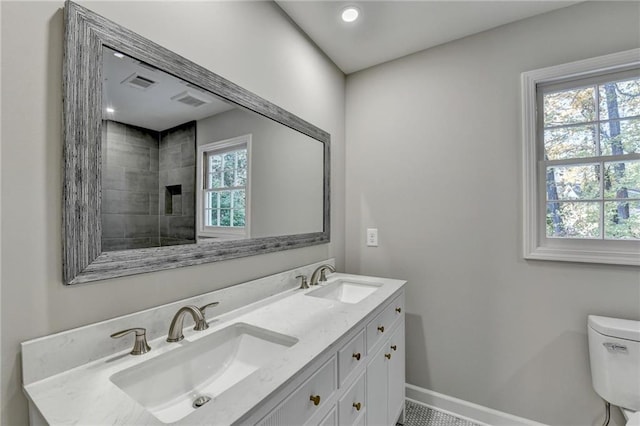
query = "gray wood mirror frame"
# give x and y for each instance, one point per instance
(83, 258)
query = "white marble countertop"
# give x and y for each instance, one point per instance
(85, 395)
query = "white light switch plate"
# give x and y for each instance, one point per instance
(372, 237)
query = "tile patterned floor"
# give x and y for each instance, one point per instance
(419, 415)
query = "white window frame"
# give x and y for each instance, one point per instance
(536, 245)
(222, 232)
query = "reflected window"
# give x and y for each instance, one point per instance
(223, 199)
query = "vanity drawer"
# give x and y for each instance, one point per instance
(330, 419)
(351, 356)
(384, 321)
(351, 406)
(300, 406)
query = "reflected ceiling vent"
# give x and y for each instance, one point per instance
(139, 82)
(190, 99)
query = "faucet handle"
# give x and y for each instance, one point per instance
(208, 305)
(202, 325)
(303, 281)
(140, 345)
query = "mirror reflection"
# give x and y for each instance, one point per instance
(180, 165)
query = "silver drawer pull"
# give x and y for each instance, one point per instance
(615, 347)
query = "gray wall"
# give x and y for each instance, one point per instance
(286, 172)
(264, 55)
(483, 325)
(129, 187)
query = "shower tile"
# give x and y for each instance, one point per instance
(188, 151)
(170, 157)
(112, 226)
(129, 156)
(154, 203)
(142, 137)
(124, 202)
(188, 204)
(141, 181)
(139, 226)
(181, 227)
(113, 178)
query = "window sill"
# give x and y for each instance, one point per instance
(562, 254)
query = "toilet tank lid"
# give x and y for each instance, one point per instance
(615, 327)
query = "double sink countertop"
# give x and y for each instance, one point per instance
(87, 395)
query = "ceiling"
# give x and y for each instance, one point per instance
(388, 30)
(155, 107)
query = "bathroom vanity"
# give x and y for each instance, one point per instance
(273, 354)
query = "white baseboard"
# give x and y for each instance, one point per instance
(464, 409)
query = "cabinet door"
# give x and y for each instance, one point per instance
(331, 419)
(396, 373)
(377, 385)
(352, 405)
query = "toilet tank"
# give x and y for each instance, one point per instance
(614, 353)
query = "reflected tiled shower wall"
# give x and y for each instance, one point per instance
(138, 165)
(177, 185)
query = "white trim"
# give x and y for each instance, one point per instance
(535, 246)
(464, 409)
(229, 233)
(1, 352)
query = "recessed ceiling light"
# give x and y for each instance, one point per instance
(110, 110)
(118, 55)
(350, 14)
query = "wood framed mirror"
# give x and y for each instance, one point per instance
(209, 199)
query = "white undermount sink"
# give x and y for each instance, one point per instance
(346, 291)
(171, 385)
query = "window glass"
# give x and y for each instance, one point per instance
(225, 188)
(590, 135)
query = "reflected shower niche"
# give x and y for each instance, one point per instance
(145, 173)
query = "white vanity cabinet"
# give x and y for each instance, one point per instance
(361, 383)
(385, 380)
(329, 355)
(386, 365)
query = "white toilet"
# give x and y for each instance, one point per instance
(614, 351)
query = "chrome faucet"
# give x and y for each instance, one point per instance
(303, 282)
(175, 330)
(319, 274)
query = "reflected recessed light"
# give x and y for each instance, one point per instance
(350, 14)
(118, 55)
(110, 110)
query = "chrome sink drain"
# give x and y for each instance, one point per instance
(200, 401)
